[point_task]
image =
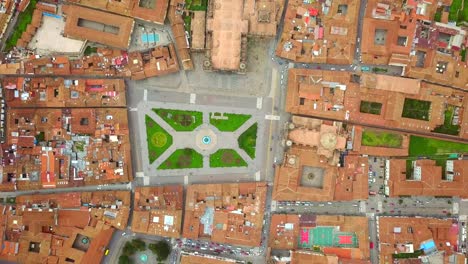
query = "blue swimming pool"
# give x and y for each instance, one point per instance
(150, 37)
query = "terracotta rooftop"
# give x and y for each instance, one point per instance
(227, 28)
(325, 138)
(51, 228)
(385, 151)
(391, 83)
(317, 93)
(404, 235)
(157, 61)
(198, 26)
(82, 23)
(219, 212)
(59, 92)
(158, 210)
(263, 16)
(70, 158)
(152, 11)
(393, 113)
(426, 178)
(176, 9)
(399, 34)
(287, 232)
(316, 32)
(5, 17)
(309, 171)
(284, 231)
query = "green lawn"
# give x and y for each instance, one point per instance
(90, 50)
(370, 107)
(24, 19)
(409, 168)
(232, 123)
(183, 159)
(458, 11)
(248, 140)
(420, 146)
(447, 127)
(416, 109)
(374, 138)
(197, 5)
(438, 15)
(180, 120)
(158, 139)
(226, 158)
(188, 23)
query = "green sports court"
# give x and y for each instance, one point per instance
(325, 236)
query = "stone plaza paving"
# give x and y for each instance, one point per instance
(205, 139)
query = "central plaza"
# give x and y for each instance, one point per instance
(181, 139)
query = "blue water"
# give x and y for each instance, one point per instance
(428, 245)
(146, 38)
(51, 15)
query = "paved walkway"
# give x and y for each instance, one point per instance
(181, 140)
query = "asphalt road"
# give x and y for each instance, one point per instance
(374, 252)
(275, 103)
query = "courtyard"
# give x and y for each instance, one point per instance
(429, 146)
(183, 139)
(450, 126)
(375, 138)
(370, 107)
(416, 109)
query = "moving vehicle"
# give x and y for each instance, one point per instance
(365, 69)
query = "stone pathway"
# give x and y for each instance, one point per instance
(192, 139)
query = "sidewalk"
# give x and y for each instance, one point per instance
(181, 140)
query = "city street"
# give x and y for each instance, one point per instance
(261, 93)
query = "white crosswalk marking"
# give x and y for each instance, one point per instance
(272, 117)
(259, 102)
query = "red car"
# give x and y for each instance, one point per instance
(371, 245)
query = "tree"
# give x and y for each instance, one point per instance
(124, 259)
(138, 244)
(161, 249)
(129, 249)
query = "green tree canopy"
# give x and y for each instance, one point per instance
(124, 259)
(139, 244)
(129, 249)
(161, 249)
